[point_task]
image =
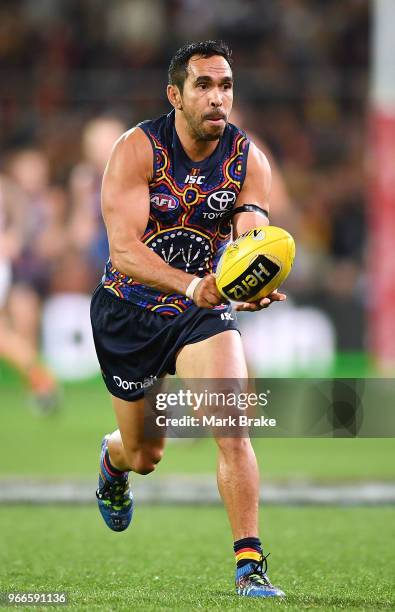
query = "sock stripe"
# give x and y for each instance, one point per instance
(247, 549)
(252, 554)
(109, 470)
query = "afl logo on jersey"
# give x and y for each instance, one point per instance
(163, 201)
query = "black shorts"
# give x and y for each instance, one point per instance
(135, 346)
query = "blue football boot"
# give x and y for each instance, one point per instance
(114, 497)
(252, 581)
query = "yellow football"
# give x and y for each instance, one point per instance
(255, 264)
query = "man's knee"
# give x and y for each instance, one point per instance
(143, 460)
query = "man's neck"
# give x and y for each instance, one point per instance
(197, 150)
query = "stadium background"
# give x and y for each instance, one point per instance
(74, 73)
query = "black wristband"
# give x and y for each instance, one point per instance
(250, 208)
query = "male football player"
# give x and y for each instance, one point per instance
(173, 190)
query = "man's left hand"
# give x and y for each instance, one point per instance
(275, 296)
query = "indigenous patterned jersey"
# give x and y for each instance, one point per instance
(190, 206)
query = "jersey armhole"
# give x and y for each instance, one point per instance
(149, 137)
(239, 132)
(245, 161)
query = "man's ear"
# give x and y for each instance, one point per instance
(174, 96)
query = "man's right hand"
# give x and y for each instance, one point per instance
(206, 294)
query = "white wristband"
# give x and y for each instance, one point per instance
(191, 287)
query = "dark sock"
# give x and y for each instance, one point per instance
(113, 471)
(247, 550)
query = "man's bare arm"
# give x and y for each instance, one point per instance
(126, 206)
(256, 190)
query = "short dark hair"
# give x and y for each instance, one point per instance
(178, 69)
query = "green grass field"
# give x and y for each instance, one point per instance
(172, 557)
(181, 558)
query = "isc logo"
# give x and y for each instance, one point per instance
(191, 179)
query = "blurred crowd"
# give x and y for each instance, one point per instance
(77, 74)
(52, 241)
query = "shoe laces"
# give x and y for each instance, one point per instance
(113, 491)
(258, 573)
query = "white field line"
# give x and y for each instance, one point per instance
(196, 490)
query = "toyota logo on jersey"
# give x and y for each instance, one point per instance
(163, 201)
(219, 200)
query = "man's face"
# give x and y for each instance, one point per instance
(207, 96)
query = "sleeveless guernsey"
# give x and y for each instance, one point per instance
(190, 206)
